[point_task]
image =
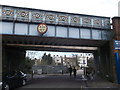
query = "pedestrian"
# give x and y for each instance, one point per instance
(32, 73)
(90, 72)
(74, 71)
(70, 70)
(62, 72)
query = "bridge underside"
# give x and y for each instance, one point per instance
(51, 43)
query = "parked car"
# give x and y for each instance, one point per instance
(13, 80)
(0, 85)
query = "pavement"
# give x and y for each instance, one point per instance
(98, 82)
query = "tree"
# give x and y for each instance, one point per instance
(46, 59)
(26, 66)
(49, 59)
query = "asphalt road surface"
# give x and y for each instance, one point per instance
(65, 81)
(55, 81)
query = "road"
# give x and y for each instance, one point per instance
(65, 81)
(55, 81)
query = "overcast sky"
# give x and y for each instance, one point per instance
(107, 8)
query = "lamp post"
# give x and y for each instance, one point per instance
(84, 64)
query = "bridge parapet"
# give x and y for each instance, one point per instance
(24, 21)
(54, 17)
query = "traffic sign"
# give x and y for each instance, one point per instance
(42, 28)
(117, 44)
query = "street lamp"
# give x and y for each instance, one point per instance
(84, 64)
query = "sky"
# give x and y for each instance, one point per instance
(108, 8)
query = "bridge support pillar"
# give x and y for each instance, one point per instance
(12, 57)
(104, 62)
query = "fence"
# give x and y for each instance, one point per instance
(48, 69)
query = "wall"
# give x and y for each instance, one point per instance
(116, 30)
(11, 58)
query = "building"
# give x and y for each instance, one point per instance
(70, 61)
(115, 50)
(82, 59)
(57, 60)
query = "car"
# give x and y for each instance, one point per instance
(0, 85)
(13, 80)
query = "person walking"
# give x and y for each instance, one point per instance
(74, 71)
(70, 70)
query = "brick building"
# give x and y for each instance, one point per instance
(116, 33)
(116, 27)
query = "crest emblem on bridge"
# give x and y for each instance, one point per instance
(42, 28)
